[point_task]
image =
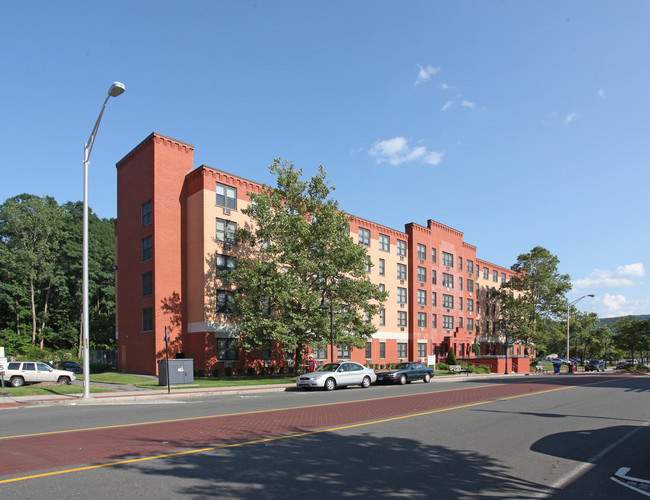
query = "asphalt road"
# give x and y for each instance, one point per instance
(519, 437)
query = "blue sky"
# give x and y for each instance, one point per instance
(518, 123)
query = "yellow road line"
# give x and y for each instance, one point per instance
(253, 412)
(276, 438)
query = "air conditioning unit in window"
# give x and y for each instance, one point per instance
(401, 258)
(226, 211)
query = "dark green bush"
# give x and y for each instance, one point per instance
(451, 358)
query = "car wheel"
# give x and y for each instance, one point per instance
(64, 380)
(366, 382)
(427, 378)
(17, 381)
(402, 380)
(330, 384)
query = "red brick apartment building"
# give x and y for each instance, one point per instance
(175, 222)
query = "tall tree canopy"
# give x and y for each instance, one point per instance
(534, 300)
(632, 335)
(296, 255)
(40, 271)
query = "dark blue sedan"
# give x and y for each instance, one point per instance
(406, 372)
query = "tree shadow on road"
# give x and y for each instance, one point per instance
(329, 464)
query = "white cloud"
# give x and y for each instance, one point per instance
(570, 118)
(619, 305)
(397, 151)
(447, 105)
(622, 276)
(468, 104)
(425, 74)
(601, 93)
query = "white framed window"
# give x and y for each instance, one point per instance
(401, 248)
(448, 322)
(447, 259)
(422, 298)
(401, 319)
(422, 275)
(364, 236)
(448, 301)
(401, 295)
(401, 350)
(384, 243)
(382, 267)
(422, 252)
(226, 196)
(226, 231)
(422, 320)
(401, 271)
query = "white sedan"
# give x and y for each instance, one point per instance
(332, 375)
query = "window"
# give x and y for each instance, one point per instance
(401, 272)
(486, 273)
(226, 231)
(448, 322)
(147, 248)
(382, 267)
(225, 350)
(470, 305)
(147, 284)
(401, 248)
(368, 319)
(401, 350)
(495, 276)
(368, 265)
(422, 350)
(382, 350)
(382, 317)
(470, 267)
(460, 283)
(319, 351)
(460, 322)
(422, 252)
(460, 303)
(503, 277)
(343, 352)
(422, 275)
(434, 277)
(225, 301)
(447, 259)
(460, 263)
(422, 320)
(364, 237)
(447, 280)
(448, 301)
(470, 324)
(368, 350)
(434, 321)
(401, 319)
(384, 243)
(147, 319)
(382, 287)
(146, 211)
(401, 295)
(470, 285)
(422, 298)
(434, 299)
(226, 196)
(433, 255)
(225, 264)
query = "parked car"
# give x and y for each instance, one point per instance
(406, 372)
(71, 366)
(595, 365)
(19, 373)
(333, 375)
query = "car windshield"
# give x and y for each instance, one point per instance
(329, 367)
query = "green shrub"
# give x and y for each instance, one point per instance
(442, 366)
(250, 371)
(199, 373)
(215, 372)
(228, 371)
(100, 367)
(451, 358)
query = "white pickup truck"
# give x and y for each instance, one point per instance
(18, 373)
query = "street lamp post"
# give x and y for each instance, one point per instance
(568, 318)
(115, 89)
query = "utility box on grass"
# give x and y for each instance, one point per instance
(181, 371)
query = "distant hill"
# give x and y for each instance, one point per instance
(608, 321)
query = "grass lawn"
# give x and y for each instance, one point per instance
(46, 390)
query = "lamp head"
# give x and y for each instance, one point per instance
(116, 89)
